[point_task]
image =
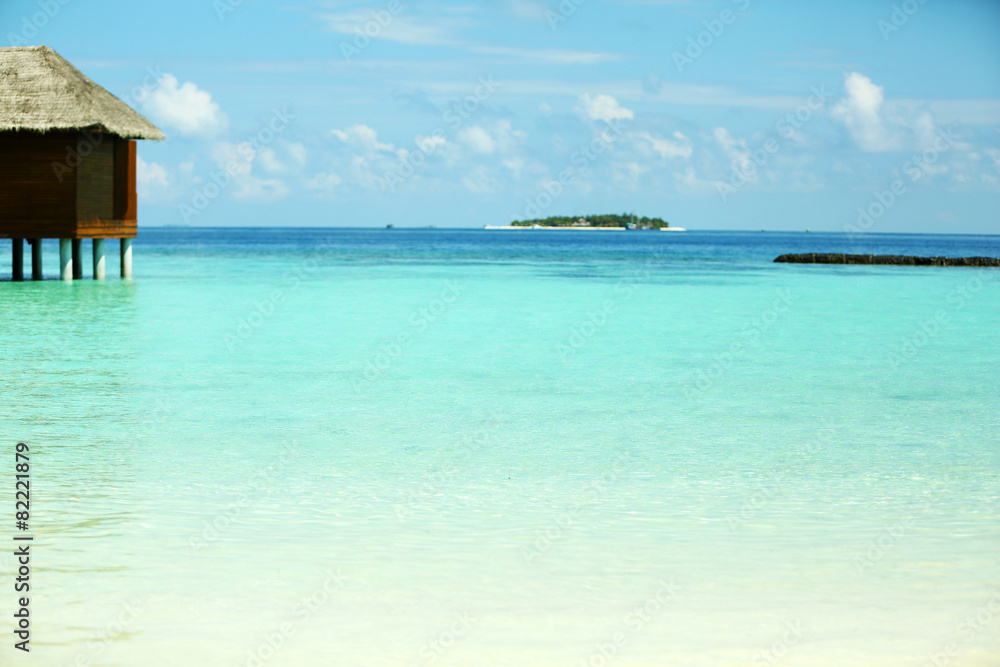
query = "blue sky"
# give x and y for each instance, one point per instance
(738, 114)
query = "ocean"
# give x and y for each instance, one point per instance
(448, 447)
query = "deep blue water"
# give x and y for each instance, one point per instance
(476, 245)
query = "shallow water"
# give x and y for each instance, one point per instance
(460, 447)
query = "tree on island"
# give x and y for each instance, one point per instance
(607, 220)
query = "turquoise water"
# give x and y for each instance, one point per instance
(443, 447)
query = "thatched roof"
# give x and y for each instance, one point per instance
(41, 92)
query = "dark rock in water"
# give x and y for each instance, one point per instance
(898, 260)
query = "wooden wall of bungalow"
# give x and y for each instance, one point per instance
(68, 185)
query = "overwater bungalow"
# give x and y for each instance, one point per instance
(67, 162)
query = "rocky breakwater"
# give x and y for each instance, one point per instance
(897, 260)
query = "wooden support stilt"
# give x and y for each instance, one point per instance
(99, 259)
(126, 258)
(17, 259)
(36, 259)
(77, 259)
(66, 260)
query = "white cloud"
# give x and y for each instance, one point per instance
(627, 175)
(150, 174)
(479, 181)
(689, 182)
(430, 144)
(440, 30)
(877, 124)
(363, 173)
(604, 107)
(965, 112)
(359, 159)
(400, 29)
(498, 138)
(324, 182)
(726, 140)
(478, 139)
(549, 56)
(515, 165)
(680, 147)
(237, 160)
(737, 152)
(995, 156)
(183, 107)
(152, 180)
(861, 114)
(924, 129)
(508, 139)
(297, 152)
(269, 160)
(363, 137)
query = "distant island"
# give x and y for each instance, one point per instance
(625, 220)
